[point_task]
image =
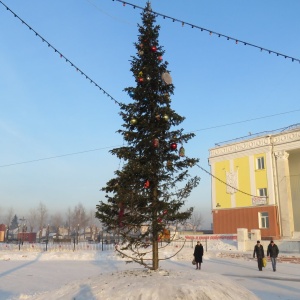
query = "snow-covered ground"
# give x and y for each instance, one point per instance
(89, 274)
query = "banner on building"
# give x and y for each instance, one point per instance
(259, 200)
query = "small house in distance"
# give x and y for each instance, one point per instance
(256, 184)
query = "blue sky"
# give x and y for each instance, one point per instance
(48, 109)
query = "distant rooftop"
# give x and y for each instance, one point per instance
(253, 135)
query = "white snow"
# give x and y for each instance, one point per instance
(89, 274)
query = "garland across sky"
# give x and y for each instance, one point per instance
(61, 55)
(211, 32)
(157, 14)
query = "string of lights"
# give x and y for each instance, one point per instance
(213, 33)
(236, 189)
(61, 55)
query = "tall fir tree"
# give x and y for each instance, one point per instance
(148, 194)
(14, 222)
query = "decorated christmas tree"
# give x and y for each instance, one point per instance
(148, 194)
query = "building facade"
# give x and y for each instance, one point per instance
(256, 184)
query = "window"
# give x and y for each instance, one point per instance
(263, 220)
(260, 163)
(262, 192)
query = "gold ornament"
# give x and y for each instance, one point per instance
(133, 121)
(166, 117)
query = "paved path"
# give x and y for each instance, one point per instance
(284, 284)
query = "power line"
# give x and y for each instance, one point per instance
(213, 33)
(61, 55)
(236, 189)
(248, 120)
(57, 156)
(98, 149)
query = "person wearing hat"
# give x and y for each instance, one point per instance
(273, 252)
(260, 254)
(198, 253)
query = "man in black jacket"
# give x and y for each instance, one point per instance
(260, 254)
(273, 252)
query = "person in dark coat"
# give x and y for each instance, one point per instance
(198, 253)
(260, 254)
(273, 252)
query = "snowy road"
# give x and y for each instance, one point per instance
(283, 284)
(36, 275)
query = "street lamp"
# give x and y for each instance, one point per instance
(47, 237)
(19, 237)
(7, 232)
(77, 233)
(23, 230)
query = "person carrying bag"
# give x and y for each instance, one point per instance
(260, 254)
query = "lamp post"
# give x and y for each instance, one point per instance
(19, 237)
(47, 237)
(74, 237)
(77, 233)
(23, 230)
(7, 232)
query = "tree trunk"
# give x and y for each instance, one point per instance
(155, 264)
(155, 253)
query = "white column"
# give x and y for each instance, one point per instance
(285, 196)
(234, 184)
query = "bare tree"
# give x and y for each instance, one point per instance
(91, 219)
(42, 213)
(56, 221)
(1, 216)
(195, 221)
(9, 216)
(69, 220)
(79, 218)
(32, 219)
(93, 224)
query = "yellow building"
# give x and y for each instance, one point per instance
(256, 184)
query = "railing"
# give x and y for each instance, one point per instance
(186, 241)
(56, 247)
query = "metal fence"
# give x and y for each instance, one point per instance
(56, 247)
(102, 246)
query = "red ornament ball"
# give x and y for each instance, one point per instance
(141, 80)
(153, 48)
(156, 143)
(173, 146)
(147, 184)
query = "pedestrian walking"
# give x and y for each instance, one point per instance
(260, 254)
(198, 253)
(273, 252)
